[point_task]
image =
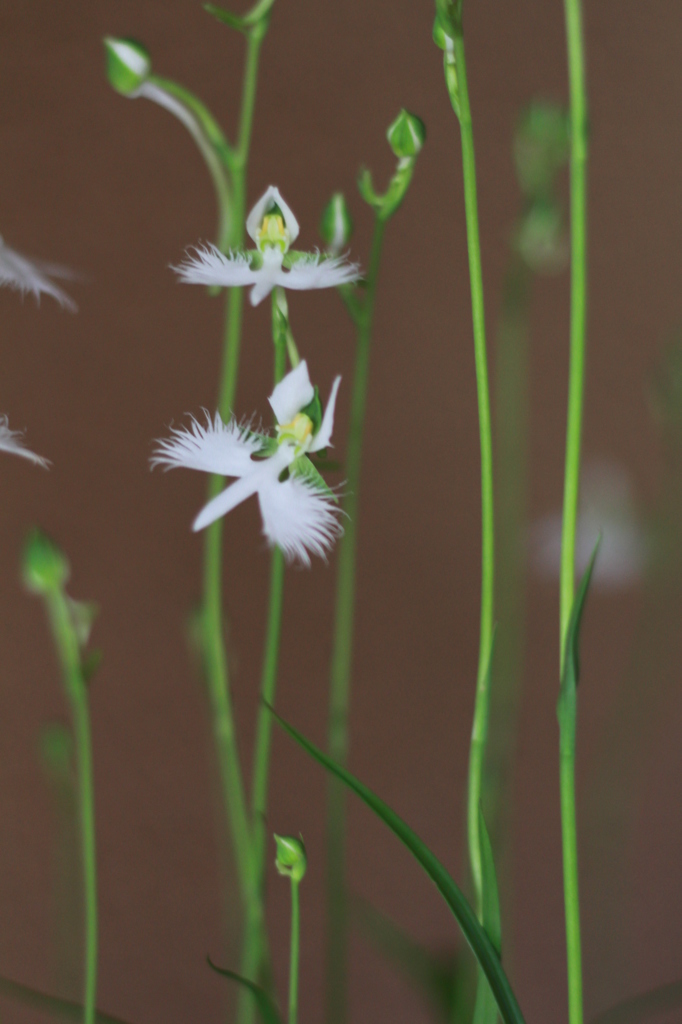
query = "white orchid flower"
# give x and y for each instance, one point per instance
(31, 277)
(299, 511)
(12, 441)
(273, 227)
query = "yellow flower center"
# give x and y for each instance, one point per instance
(273, 233)
(299, 430)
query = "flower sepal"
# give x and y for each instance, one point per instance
(336, 224)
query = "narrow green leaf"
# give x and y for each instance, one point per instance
(266, 1005)
(50, 1004)
(475, 934)
(485, 1011)
(643, 1007)
(226, 17)
(566, 707)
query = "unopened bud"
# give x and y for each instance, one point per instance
(44, 566)
(441, 36)
(128, 64)
(406, 135)
(336, 225)
(290, 858)
(541, 147)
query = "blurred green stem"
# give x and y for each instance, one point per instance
(294, 952)
(215, 657)
(342, 650)
(480, 723)
(68, 651)
(254, 937)
(578, 164)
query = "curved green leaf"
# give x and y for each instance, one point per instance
(475, 934)
(53, 1005)
(265, 1003)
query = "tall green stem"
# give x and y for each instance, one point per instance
(215, 657)
(69, 657)
(578, 108)
(480, 723)
(254, 944)
(342, 651)
(294, 952)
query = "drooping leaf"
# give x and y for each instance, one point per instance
(433, 974)
(473, 931)
(264, 1001)
(643, 1007)
(52, 1005)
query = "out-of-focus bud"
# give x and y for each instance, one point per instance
(128, 64)
(449, 14)
(291, 858)
(336, 225)
(541, 147)
(44, 566)
(407, 134)
(441, 36)
(541, 238)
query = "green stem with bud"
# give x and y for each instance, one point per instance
(578, 165)
(342, 650)
(68, 651)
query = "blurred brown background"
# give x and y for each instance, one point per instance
(116, 189)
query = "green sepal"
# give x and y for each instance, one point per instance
(128, 64)
(473, 931)
(303, 467)
(485, 1010)
(207, 122)
(266, 1006)
(567, 703)
(406, 135)
(313, 410)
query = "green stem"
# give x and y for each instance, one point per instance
(342, 651)
(217, 673)
(294, 952)
(254, 937)
(69, 657)
(480, 723)
(578, 106)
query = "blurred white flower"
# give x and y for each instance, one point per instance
(32, 277)
(273, 227)
(606, 506)
(299, 511)
(12, 441)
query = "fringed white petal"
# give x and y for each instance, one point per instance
(12, 441)
(207, 265)
(270, 198)
(292, 393)
(30, 277)
(213, 447)
(318, 272)
(299, 518)
(261, 474)
(323, 437)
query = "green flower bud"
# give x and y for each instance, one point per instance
(128, 64)
(336, 225)
(290, 859)
(441, 36)
(406, 135)
(44, 565)
(541, 238)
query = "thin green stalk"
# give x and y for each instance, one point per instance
(480, 723)
(294, 951)
(69, 657)
(217, 672)
(254, 944)
(342, 651)
(578, 164)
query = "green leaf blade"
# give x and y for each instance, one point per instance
(475, 934)
(266, 1006)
